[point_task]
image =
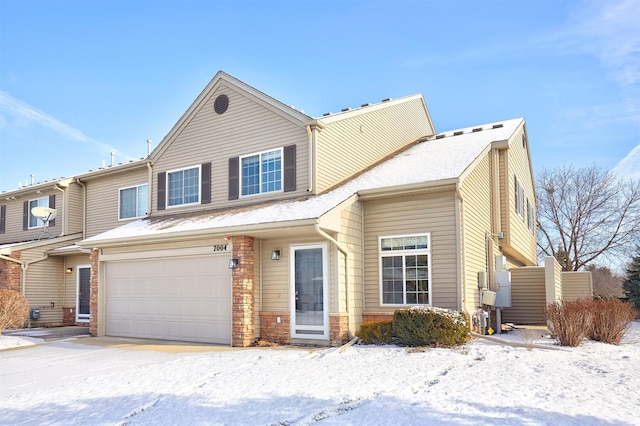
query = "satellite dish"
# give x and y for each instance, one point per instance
(44, 213)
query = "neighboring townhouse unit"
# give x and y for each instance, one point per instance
(251, 220)
(40, 258)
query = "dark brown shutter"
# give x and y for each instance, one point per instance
(289, 168)
(205, 186)
(52, 205)
(234, 178)
(3, 218)
(162, 190)
(25, 216)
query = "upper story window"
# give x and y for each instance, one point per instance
(519, 196)
(530, 219)
(261, 172)
(134, 201)
(405, 269)
(35, 221)
(183, 186)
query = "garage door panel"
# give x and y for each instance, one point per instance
(174, 299)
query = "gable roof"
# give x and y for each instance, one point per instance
(250, 92)
(439, 159)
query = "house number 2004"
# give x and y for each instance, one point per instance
(220, 247)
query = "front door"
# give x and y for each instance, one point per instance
(84, 293)
(309, 294)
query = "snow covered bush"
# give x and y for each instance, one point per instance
(14, 309)
(425, 326)
(376, 332)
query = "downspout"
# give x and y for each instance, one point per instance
(462, 295)
(344, 251)
(24, 265)
(84, 207)
(63, 230)
(312, 133)
(149, 177)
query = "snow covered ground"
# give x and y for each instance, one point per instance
(482, 382)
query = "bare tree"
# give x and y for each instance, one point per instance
(585, 214)
(606, 283)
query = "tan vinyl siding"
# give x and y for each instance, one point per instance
(70, 280)
(247, 127)
(45, 284)
(528, 298)
(476, 211)
(74, 209)
(348, 146)
(432, 213)
(103, 199)
(351, 237)
(13, 222)
(576, 285)
(521, 240)
(275, 276)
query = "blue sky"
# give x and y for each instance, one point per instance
(80, 79)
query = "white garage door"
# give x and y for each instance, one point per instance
(186, 298)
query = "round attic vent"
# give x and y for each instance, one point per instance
(221, 104)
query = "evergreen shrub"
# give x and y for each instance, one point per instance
(376, 332)
(425, 326)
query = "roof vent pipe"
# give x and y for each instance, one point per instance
(113, 158)
(148, 147)
(33, 179)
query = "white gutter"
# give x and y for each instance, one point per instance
(24, 265)
(344, 251)
(151, 238)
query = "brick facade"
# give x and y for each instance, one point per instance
(93, 300)
(243, 287)
(377, 316)
(68, 315)
(11, 273)
(338, 329)
(271, 331)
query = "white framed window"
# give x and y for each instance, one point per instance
(133, 202)
(261, 172)
(405, 269)
(519, 196)
(530, 219)
(183, 186)
(34, 221)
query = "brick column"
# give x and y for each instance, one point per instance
(11, 275)
(93, 299)
(243, 287)
(338, 329)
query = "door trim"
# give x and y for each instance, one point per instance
(324, 329)
(82, 317)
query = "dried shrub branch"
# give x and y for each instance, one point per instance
(14, 309)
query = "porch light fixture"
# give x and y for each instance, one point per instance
(275, 254)
(233, 263)
(69, 270)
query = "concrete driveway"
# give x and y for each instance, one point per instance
(69, 355)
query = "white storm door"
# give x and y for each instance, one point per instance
(309, 292)
(83, 291)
